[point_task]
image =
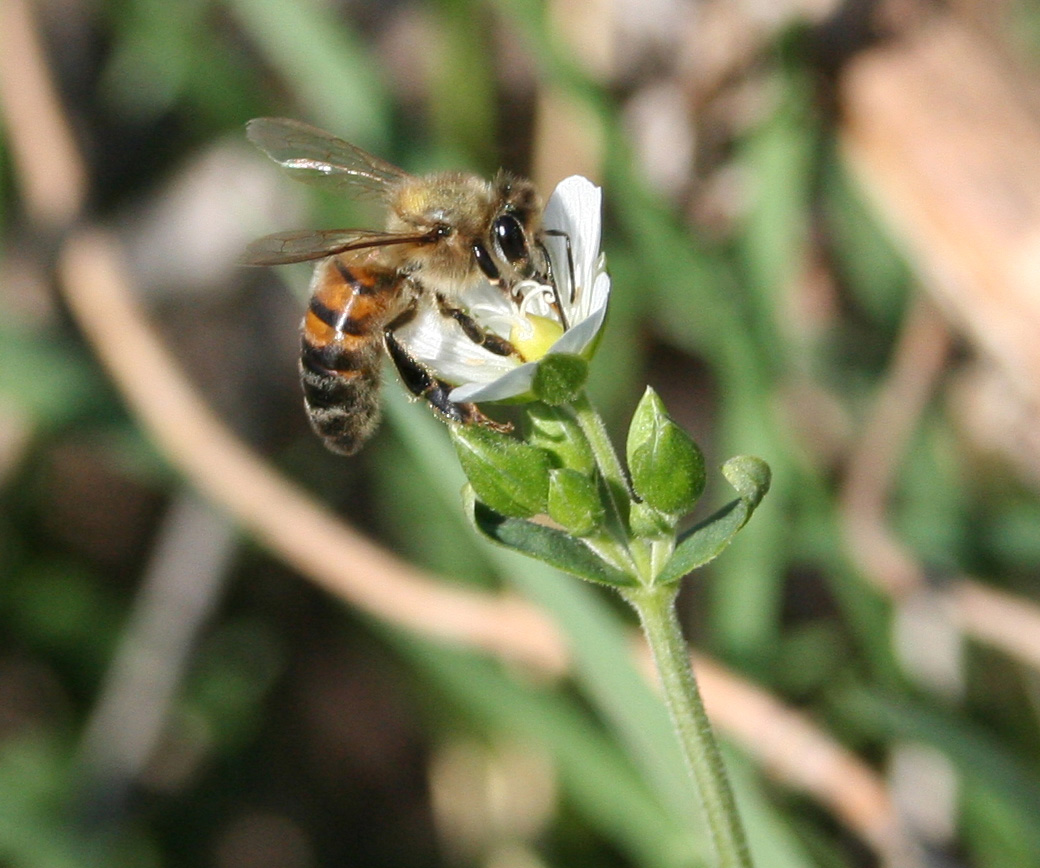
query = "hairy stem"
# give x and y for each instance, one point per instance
(616, 482)
(656, 609)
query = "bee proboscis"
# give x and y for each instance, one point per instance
(443, 233)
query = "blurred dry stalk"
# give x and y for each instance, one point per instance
(935, 127)
(872, 467)
(47, 162)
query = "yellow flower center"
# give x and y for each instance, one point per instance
(534, 335)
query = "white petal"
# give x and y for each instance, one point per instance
(575, 208)
(598, 296)
(490, 306)
(516, 382)
(577, 339)
(442, 345)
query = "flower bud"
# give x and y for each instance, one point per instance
(750, 476)
(666, 467)
(574, 502)
(559, 433)
(509, 476)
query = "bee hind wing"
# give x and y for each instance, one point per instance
(321, 159)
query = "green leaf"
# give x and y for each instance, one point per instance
(509, 476)
(559, 379)
(554, 547)
(559, 433)
(705, 541)
(574, 501)
(666, 466)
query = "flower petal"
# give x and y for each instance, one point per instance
(573, 212)
(577, 339)
(441, 344)
(511, 385)
(575, 209)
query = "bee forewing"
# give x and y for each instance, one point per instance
(302, 245)
(319, 158)
(298, 246)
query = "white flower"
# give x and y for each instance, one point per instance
(528, 320)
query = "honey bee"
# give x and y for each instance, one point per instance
(443, 233)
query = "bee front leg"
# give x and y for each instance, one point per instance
(480, 336)
(423, 384)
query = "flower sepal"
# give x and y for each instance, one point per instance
(559, 379)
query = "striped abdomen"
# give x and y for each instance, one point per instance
(342, 345)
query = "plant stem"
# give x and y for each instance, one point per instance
(599, 441)
(616, 482)
(656, 609)
(655, 605)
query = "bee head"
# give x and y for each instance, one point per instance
(510, 249)
(477, 228)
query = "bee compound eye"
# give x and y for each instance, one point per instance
(510, 237)
(484, 261)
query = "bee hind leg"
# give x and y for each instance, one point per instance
(423, 384)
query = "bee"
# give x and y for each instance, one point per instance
(444, 232)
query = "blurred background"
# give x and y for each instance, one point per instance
(222, 645)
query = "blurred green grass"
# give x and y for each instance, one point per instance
(702, 319)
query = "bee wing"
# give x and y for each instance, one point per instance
(306, 244)
(319, 158)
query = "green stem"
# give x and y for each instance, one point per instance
(616, 482)
(656, 609)
(599, 441)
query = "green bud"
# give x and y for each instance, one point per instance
(559, 379)
(647, 523)
(574, 501)
(507, 475)
(666, 467)
(706, 540)
(559, 433)
(750, 476)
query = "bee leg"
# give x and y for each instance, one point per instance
(423, 384)
(488, 340)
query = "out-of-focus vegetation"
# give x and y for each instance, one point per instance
(755, 288)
